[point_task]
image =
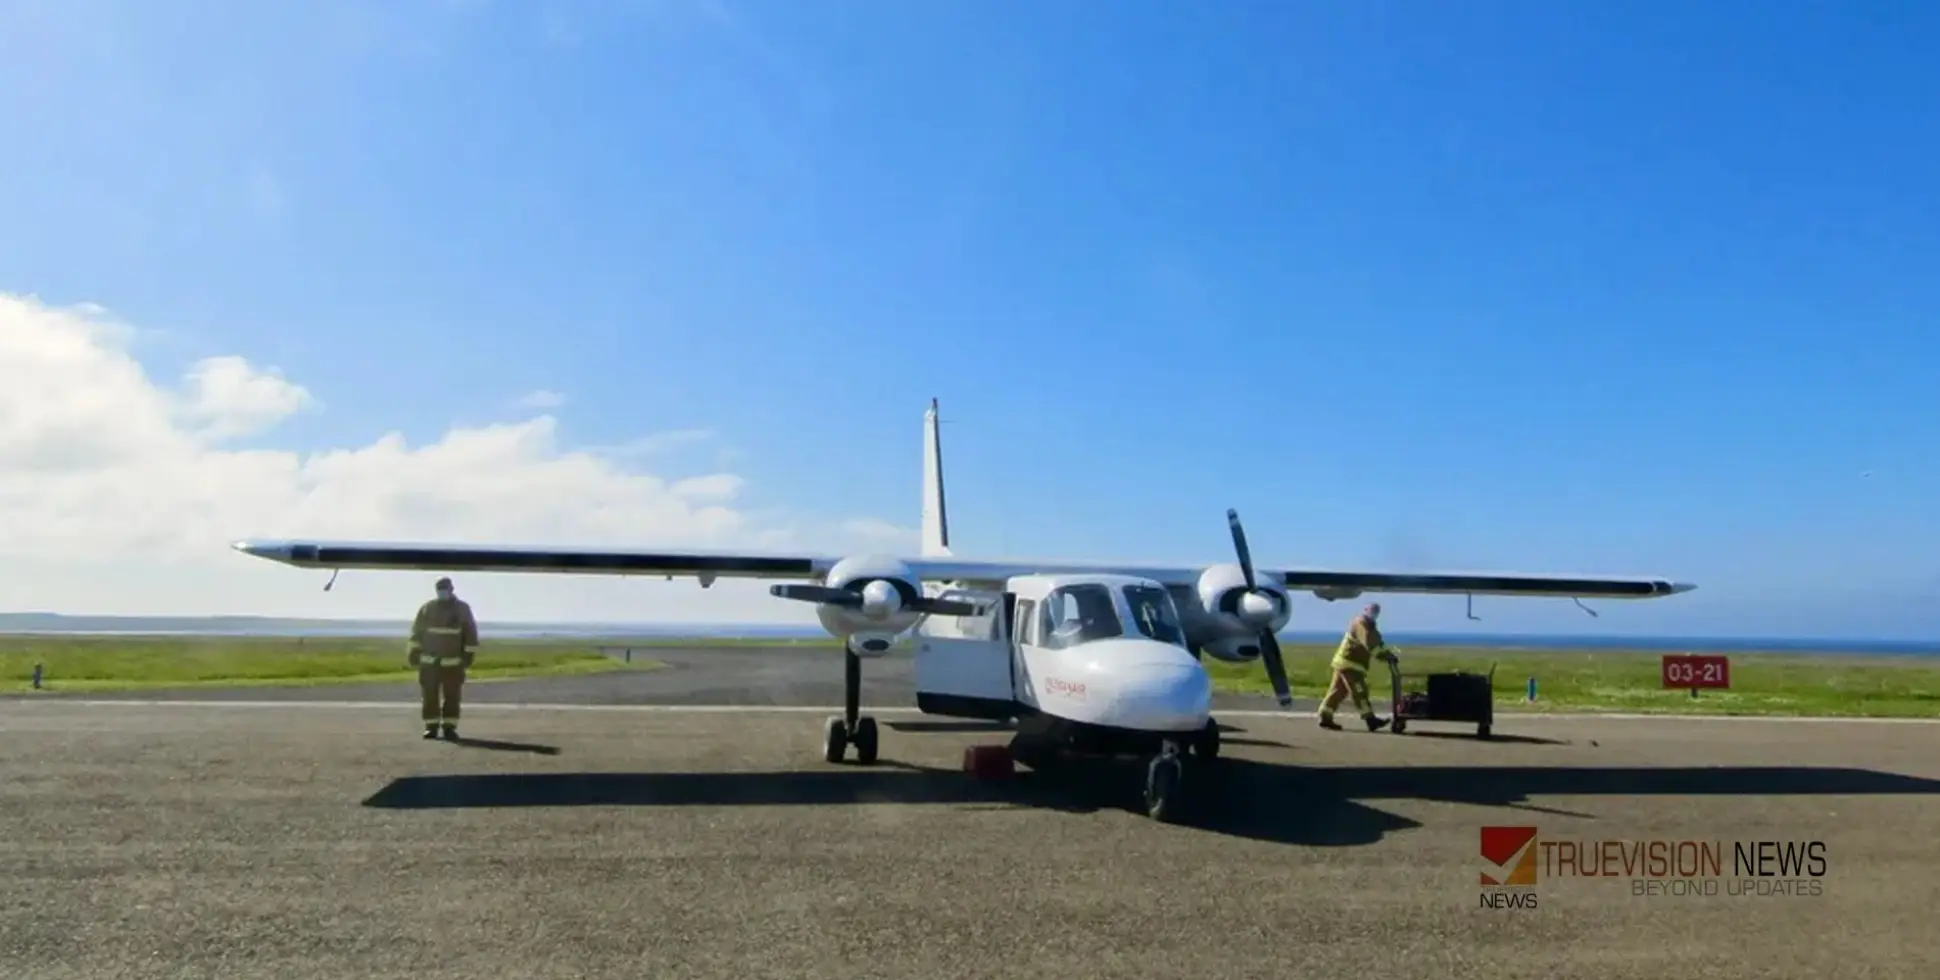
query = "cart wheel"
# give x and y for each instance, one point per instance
(1399, 726)
(1482, 731)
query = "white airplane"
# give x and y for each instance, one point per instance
(1087, 659)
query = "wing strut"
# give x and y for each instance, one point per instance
(333, 579)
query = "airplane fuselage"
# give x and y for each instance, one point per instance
(1093, 663)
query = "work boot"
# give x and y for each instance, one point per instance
(430, 731)
(451, 733)
(1375, 723)
(1328, 722)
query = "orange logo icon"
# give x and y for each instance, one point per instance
(1508, 856)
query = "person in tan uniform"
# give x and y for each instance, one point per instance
(1358, 648)
(444, 640)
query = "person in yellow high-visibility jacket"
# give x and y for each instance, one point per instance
(1359, 647)
(444, 641)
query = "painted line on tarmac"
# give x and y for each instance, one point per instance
(887, 710)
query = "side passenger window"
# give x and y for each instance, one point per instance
(1026, 631)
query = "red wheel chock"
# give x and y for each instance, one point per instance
(988, 762)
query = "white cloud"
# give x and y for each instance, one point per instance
(121, 495)
(541, 400)
(226, 398)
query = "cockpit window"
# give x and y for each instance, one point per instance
(1079, 614)
(1153, 614)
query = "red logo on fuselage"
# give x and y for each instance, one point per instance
(1063, 688)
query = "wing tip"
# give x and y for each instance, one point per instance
(272, 550)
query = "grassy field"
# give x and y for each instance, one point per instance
(112, 663)
(1630, 681)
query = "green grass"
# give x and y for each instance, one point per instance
(112, 663)
(1828, 685)
(1567, 680)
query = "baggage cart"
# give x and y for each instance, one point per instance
(1458, 696)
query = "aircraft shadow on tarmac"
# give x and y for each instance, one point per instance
(1324, 807)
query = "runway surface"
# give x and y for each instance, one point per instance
(273, 840)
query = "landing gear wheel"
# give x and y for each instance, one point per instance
(835, 740)
(1162, 782)
(1206, 746)
(1399, 726)
(1482, 730)
(837, 737)
(864, 739)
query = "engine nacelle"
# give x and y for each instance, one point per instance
(887, 588)
(1233, 649)
(1235, 613)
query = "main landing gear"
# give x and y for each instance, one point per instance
(1165, 775)
(852, 727)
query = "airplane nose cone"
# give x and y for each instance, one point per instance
(1166, 698)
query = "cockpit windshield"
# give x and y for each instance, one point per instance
(1153, 614)
(1079, 614)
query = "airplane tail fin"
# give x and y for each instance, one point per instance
(936, 518)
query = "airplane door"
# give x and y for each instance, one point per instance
(1023, 632)
(963, 663)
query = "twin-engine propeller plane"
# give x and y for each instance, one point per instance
(1088, 659)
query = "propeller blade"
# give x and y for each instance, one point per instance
(853, 600)
(1239, 545)
(818, 593)
(1276, 669)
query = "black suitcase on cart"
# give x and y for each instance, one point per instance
(1458, 696)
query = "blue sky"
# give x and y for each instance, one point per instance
(1544, 287)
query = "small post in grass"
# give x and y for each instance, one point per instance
(37, 668)
(1532, 690)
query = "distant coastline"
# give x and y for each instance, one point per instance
(54, 623)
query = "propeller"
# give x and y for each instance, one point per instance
(1259, 605)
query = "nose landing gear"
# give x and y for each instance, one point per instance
(852, 727)
(1163, 780)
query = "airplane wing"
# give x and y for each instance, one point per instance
(708, 566)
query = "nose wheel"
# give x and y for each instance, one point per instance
(1163, 781)
(838, 736)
